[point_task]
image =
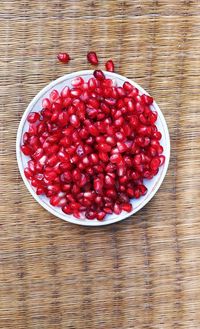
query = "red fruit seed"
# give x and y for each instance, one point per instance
(92, 58)
(110, 66)
(63, 57)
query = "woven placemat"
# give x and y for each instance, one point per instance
(140, 273)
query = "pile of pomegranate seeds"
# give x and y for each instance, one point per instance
(91, 147)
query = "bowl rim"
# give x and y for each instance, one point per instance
(72, 219)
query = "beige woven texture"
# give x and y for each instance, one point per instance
(145, 271)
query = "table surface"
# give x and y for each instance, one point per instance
(144, 271)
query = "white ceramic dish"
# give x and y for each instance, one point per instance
(152, 185)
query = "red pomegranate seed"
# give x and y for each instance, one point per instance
(90, 214)
(93, 130)
(127, 86)
(74, 120)
(155, 163)
(46, 104)
(63, 57)
(100, 215)
(110, 66)
(28, 173)
(127, 207)
(54, 95)
(33, 117)
(26, 150)
(99, 75)
(78, 81)
(162, 159)
(92, 58)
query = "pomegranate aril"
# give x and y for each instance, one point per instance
(54, 200)
(117, 209)
(103, 156)
(33, 117)
(122, 147)
(134, 93)
(142, 189)
(63, 57)
(152, 151)
(110, 66)
(92, 83)
(65, 92)
(159, 149)
(104, 147)
(26, 150)
(67, 209)
(99, 75)
(155, 163)
(93, 130)
(126, 207)
(78, 81)
(75, 92)
(139, 108)
(127, 86)
(90, 214)
(54, 95)
(93, 102)
(116, 158)
(74, 120)
(107, 210)
(130, 106)
(152, 117)
(162, 159)
(100, 215)
(147, 99)
(92, 58)
(50, 176)
(28, 173)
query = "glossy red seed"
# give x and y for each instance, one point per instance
(63, 57)
(100, 215)
(74, 120)
(46, 104)
(155, 163)
(92, 58)
(110, 66)
(90, 214)
(33, 117)
(78, 81)
(126, 207)
(93, 102)
(98, 185)
(147, 99)
(92, 83)
(104, 147)
(65, 92)
(127, 86)
(122, 147)
(54, 95)
(116, 158)
(99, 75)
(162, 159)
(93, 130)
(26, 149)
(67, 209)
(28, 173)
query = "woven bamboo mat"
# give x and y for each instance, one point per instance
(145, 271)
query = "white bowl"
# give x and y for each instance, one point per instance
(152, 185)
